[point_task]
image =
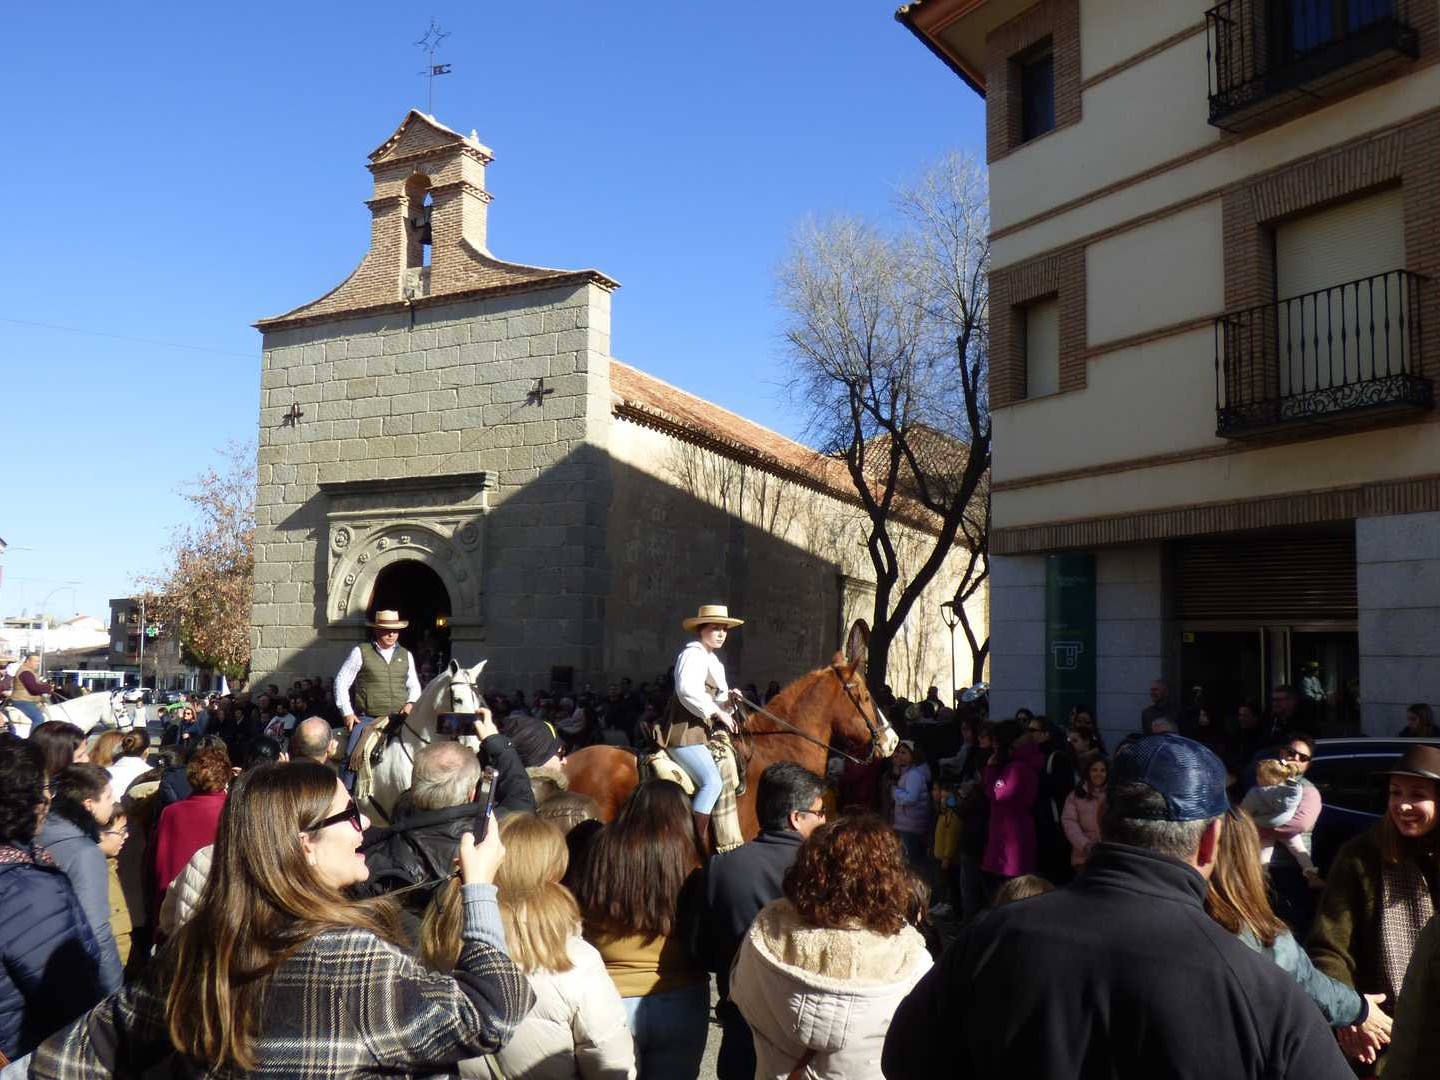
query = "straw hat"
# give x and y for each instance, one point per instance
(712, 614)
(387, 620)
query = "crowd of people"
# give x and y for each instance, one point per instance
(1001, 897)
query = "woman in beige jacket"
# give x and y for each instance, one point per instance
(822, 970)
(577, 1028)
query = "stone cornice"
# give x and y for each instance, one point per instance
(464, 149)
(464, 186)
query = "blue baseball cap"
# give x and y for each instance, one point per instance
(1186, 773)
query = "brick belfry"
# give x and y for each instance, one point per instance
(432, 438)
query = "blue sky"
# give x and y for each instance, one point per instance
(175, 172)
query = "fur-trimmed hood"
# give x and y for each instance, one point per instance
(829, 991)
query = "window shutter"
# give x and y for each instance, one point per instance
(1357, 239)
(1042, 348)
(1283, 579)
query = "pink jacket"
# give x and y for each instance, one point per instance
(1010, 844)
(1081, 821)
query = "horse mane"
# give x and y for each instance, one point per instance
(786, 701)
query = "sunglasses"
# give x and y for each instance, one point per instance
(351, 813)
(1297, 755)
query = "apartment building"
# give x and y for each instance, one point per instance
(1214, 331)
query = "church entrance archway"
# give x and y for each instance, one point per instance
(417, 593)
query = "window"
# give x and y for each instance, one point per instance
(1042, 347)
(1310, 24)
(1037, 91)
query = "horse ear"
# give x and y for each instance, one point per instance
(857, 643)
(475, 671)
(453, 667)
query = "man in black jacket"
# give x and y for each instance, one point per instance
(739, 883)
(1121, 974)
(422, 843)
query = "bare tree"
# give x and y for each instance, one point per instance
(203, 597)
(888, 331)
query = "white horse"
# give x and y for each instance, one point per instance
(454, 690)
(85, 712)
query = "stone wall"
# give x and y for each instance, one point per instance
(688, 526)
(1131, 635)
(1398, 581)
(442, 391)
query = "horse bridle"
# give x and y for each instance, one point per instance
(849, 686)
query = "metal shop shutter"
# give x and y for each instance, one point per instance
(1281, 579)
(1356, 239)
(1042, 348)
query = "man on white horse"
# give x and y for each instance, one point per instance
(29, 692)
(376, 679)
(701, 706)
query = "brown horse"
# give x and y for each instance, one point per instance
(830, 707)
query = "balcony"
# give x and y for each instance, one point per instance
(1270, 59)
(1344, 356)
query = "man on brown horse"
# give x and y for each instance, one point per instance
(700, 707)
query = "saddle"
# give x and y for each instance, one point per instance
(368, 752)
(725, 818)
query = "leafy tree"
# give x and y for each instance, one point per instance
(203, 597)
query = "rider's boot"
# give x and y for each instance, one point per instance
(702, 833)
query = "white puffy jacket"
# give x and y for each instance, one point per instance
(576, 1029)
(183, 897)
(833, 992)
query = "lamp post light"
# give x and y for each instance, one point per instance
(952, 620)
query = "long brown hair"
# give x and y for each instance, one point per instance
(539, 914)
(638, 864)
(106, 748)
(261, 903)
(1237, 899)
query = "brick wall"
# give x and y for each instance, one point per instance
(1058, 20)
(1060, 274)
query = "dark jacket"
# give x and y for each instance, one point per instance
(49, 962)
(1120, 975)
(1416, 1045)
(75, 849)
(421, 845)
(738, 884)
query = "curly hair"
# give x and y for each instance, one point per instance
(209, 771)
(22, 789)
(852, 873)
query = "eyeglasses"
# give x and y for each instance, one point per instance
(124, 830)
(814, 813)
(1297, 755)
(351, 813)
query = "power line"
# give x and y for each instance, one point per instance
(123, 337)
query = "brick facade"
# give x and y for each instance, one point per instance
(1060, 274)
(1058, 20)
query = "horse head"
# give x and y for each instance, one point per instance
(454, 690)
(854, 717)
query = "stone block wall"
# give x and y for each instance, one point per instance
(1398, 581)
(433, 392)
(1131, 635)
(1017, 634)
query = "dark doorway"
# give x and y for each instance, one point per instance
(413, 589)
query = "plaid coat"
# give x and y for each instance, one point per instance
(347, 1004)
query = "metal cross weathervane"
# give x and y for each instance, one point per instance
(428, 44)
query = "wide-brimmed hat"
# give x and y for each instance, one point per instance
(1421, 761)
(387, 619)
(712, 614)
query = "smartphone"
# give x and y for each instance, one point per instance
(486, 798)
(454, 725)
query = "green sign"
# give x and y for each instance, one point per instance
(1069, 634)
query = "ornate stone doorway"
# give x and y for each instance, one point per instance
(413, 589)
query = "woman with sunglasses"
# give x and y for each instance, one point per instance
(281, 974)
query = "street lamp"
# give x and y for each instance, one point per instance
(952, 620)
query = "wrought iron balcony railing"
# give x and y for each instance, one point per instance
(1349, 349)
(1266, 54)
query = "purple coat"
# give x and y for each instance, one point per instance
(1010, 845)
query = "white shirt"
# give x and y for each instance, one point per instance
(345, 677)
(124, 771)
(700, 682)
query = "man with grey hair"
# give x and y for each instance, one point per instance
(419, 847)
(313, 741)
(1121, 974)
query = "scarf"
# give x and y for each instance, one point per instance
(35, 855)
(1406, 905)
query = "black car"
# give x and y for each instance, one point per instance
(1345, 771)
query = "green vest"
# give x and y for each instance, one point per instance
(379, 689)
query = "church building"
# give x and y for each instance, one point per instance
(447, 434)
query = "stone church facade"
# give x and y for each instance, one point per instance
(448, 433)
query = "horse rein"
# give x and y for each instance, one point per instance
(793, 730)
